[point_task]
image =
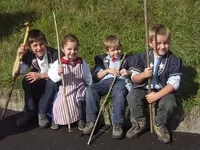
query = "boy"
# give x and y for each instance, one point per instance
(106, 67)
(165, 72)
(39, 90)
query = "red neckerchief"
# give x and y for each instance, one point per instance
(73, 62)
(114, 59)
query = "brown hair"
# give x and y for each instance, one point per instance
(69, 38)
(112, 41)
(158, 29)
(36, 35)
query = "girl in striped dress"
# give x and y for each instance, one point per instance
(77, 77)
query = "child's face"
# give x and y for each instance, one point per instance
(39, 48)
(114, 52)
(70, 50)
(160, 45)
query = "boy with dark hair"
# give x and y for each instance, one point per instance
(39, 90)
(165, 72)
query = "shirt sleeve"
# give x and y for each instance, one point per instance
(174, 81)
(87, 77)
(53, 72)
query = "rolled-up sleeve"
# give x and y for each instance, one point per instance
(174, 81)
(53, 72)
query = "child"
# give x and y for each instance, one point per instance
(77, 77)
(165, 72)
(39, 90)
(107, 66)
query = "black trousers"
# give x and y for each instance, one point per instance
(39, 94)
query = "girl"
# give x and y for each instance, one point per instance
(77, 77)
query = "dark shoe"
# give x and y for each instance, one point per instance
(117, 131)
(81, 124)
(88, 128)
(54, 126)
(137, 129)
(25, 118)
(43, 121)
(162, 133)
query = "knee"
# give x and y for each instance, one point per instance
(169, 102)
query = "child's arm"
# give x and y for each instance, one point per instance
(141, 77)
(19, 67)
(102, 73)
(154, 96)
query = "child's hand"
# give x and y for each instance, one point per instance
(22, 50)
(113, 71)
(152, 97)
(60, 70)
(32, 76)
(124, 72)
(147, 72)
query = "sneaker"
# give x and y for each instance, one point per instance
(81, 124)
(162, 133)
(117, 131)
(137, 129)
(43, 121)
(88, 128)
(25, 118)
(54, 126)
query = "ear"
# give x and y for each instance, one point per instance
(62, 50)
(150, 43)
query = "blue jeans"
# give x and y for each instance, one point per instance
(39, 94)
(97, 90)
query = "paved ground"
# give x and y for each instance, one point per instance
(34, 138)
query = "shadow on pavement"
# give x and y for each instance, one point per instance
(8, 125)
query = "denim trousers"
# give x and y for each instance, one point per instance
(93, 96)
(39, 94)
(164, 108)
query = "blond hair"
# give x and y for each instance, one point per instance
(158, 29)
(112, 41)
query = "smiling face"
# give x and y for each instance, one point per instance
(160, 44)
(70, 49)
(39, 48)
(114, 52)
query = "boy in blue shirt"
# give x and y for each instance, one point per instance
(107, 66)
(165, 72)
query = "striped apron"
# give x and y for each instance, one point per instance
(75, 92)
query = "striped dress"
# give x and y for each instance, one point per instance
(75, 91)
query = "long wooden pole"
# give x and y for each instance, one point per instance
(151, 106)
(104, 102)
(62, 76)
(15, 69)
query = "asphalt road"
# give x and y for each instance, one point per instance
(34, 138)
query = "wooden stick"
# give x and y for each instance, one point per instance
(104, 102)
(62, 76)
(151, 106)
(15, 69)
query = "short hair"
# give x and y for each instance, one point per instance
(158, 29)
(112, 41)
(69, 38)
(36, 35)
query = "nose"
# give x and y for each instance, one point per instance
(162, 45)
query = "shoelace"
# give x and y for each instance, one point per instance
(117, 127)
(163, 129)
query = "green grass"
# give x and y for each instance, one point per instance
(93, 20)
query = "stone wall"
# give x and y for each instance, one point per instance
(189, 123)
